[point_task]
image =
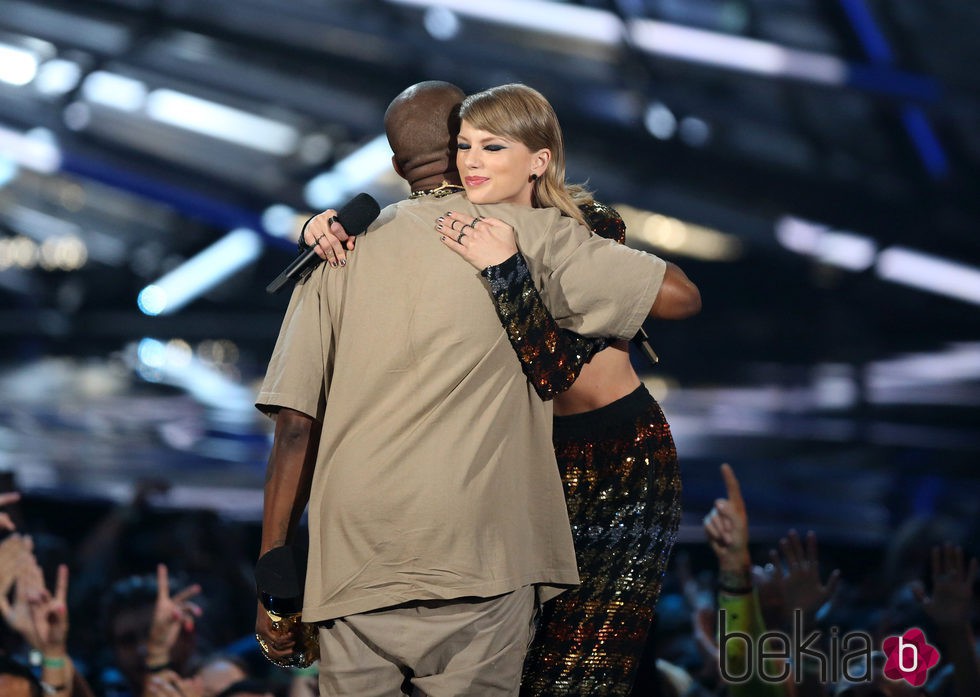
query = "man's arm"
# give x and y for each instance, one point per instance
(288, 477)
(678, 298)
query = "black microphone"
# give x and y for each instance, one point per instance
(280, 575)
(355, 216)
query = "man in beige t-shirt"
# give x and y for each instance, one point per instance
(436, 508)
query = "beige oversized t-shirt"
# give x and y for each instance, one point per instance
(435, 476)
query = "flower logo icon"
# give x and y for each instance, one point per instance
(909, 657)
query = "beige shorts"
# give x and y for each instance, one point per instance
(466, 647)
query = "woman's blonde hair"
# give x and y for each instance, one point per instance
(522, 114)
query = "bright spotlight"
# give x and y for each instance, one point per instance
(200, 273)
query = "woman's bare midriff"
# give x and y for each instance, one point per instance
(606, 378)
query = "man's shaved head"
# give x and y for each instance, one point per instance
(421, 124)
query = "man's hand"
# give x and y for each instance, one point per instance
(279, 643)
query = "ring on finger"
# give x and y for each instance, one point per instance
(452, 225)
(459, 238)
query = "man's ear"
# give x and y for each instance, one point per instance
(398, 170)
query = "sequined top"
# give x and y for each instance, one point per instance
(551, 357)
(604, 221)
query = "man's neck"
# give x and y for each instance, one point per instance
(436, 187)
(434, 181)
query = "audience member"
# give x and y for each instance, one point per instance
(950, 607)
(17, 680)
(149, 625)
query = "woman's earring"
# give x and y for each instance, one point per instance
(534, 177)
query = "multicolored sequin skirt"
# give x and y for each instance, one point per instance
(623, 489)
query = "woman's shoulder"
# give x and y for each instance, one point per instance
(604, 221)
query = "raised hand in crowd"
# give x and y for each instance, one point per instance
(40, 617)
(27, 579)
(727, 528)
(171, 616)
(13, 549)
(951, 601)
(791, 581)
(951, 607)
(7, 498)
(49, 629)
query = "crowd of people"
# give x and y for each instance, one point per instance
(178, 628)
(493, 495)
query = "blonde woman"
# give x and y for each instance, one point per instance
(612, 442)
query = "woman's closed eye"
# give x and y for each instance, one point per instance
(493, 147)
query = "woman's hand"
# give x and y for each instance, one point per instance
(481, 241)
(327, 236)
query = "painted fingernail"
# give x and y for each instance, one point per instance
(443, 238)
(439, 226)
(439, 219)
(343, 262)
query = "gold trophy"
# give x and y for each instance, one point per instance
(280, 575)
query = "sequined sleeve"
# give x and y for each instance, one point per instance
(604, 221)
(551, 357)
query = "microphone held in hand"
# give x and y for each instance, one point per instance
(280, 577)
(355, 215)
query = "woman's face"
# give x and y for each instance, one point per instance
(495, 169)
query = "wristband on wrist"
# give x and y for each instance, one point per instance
(50, 689)
(735, 582)
(158, 667)
(57, 662)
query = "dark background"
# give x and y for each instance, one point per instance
(807, 163)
